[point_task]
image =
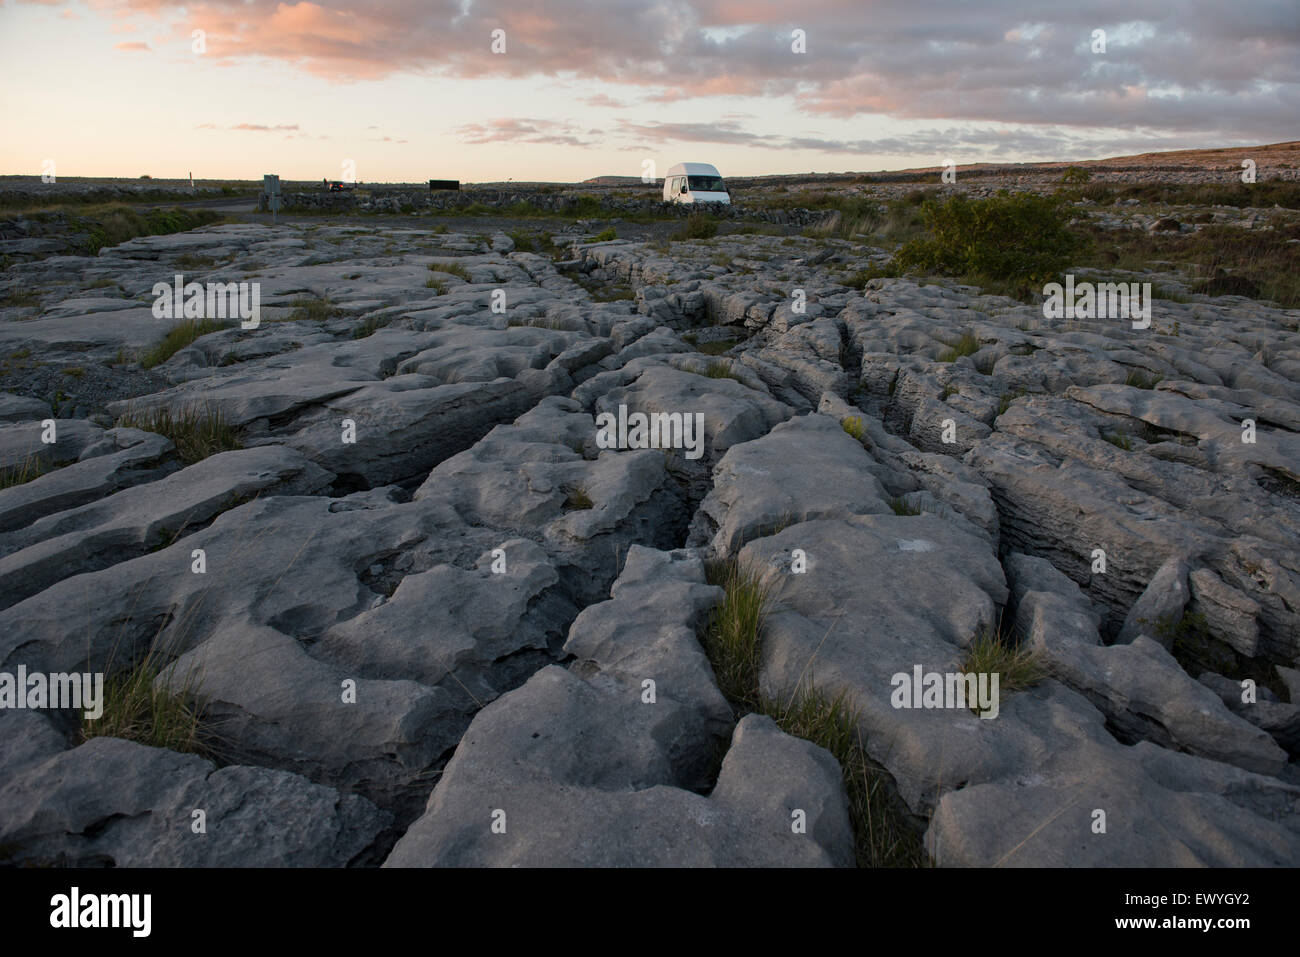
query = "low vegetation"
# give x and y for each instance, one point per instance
(967, 345)
(578, 499)
(1217, 259)
(32, 467)
(312, 309)
(732, 640)
(197, 431)
(1016, 242)
(900, 506)
(993, 652)
(451, 269)
(178, 337)
(721, 370)
(697, 226)
(160, 714)
(111, 225)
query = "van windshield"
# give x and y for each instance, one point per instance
(707, 184)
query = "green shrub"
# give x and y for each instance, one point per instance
(853, 426)
(1022, 240)
(604, 236)
(698, 226)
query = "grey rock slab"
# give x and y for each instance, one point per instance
(21, 408)
(883, 594)
(577, 779)
(135, 457)
(24, 440)
(128, 523)
(1139, 686)
(1161, 603)
(805, 468)
(272, 703)
(1162, 808)
(732, 412)
(117, 803)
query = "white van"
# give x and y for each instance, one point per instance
(695, 183)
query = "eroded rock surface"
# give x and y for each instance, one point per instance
(432, 616)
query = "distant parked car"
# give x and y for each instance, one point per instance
(695, 183)
(339, 187)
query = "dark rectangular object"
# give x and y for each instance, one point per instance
(444, 184)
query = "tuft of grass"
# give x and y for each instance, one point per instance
(948, 390)
(369, 326)
(21, 298)
(858, 279)
(177, 338)
(29, 468)
(451, 269)
(440, 285)
(992, 652)
(312, 309)
(967, 345)
(733, 635)
(733, 641)
(853, 426)
(139, 708)
(1005, 400)
(604, 236)
(524, 242)
(192, 261)
(578, 499)
(900, 506)
(197, 431)
(883, 837)
(77, 372)
(721, 370)
(1119, 440)
(1141, 381)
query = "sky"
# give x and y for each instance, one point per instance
(562, 90)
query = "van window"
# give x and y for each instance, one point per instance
(708, 184)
